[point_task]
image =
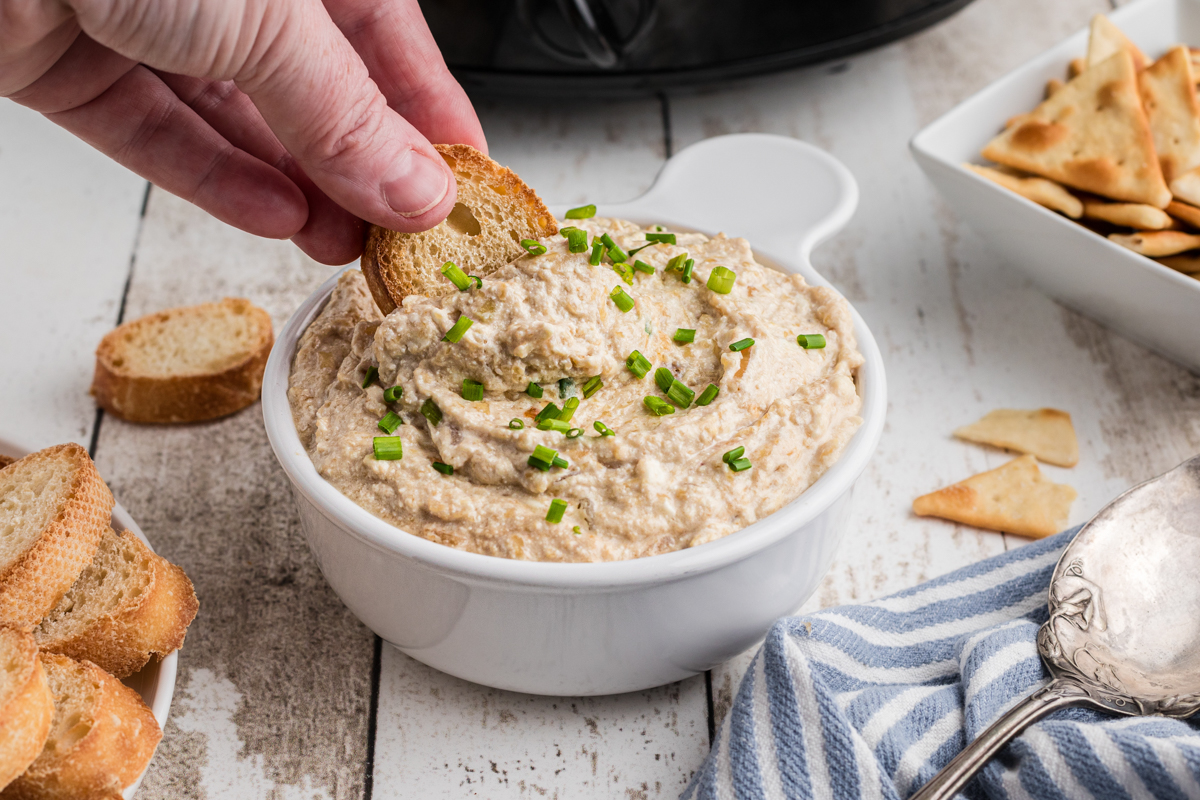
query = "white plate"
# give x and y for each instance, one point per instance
(156, 681)
(1140, 298)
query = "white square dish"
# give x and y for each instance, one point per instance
(1149, 303)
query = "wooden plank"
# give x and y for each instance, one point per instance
(960, 333)
(438, 736)
(68, 220)
(275, 678)
(448, 738)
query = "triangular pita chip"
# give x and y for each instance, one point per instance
(1169, 97)
(1105, 39)
(1187, 213)
(1157, 243)
(1131, 215)
(1092, 134)
(1046, 433)
(1015, 498)
(1188, 264)
(1039, 190)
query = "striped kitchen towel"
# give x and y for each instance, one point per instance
(870, 701)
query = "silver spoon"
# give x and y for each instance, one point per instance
(1124, 628)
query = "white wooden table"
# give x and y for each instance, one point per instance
(282, 693)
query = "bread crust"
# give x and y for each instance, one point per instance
(386, 262)
(109, 757)
(36, 580)
(26, 715)
(179, 398)
(154, 624)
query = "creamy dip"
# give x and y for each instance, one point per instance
(660, 483)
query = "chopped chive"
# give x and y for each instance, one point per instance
(445, 469)
(623, 301)
(516, 424)
(557, 507)
(560, 462)
(811, 341)
(642, 266)
(625, 271)
(741, 344)
(478, 281)
(708, 395)
(648, 328)
(542, 458)
(576, 530)
(431, 412)
(390, 422)
(740, 464)
(680, 394)
(598, 251)
(456, 276)
(664, 378)
(658, 407)
(472, 390)
(393, 394)
(603, 429)
(576, 239)
(533, 247)
(661, 238)
(688, 266)
(637, 250)
(685, 335)
(387, 448)
(721, 279)
(638, 364)
(676, 263)
(371, 374)
(614, 251)
(733, 454)
(568, 409)
(566, 388)
(553, 425)
(460, 327)
(533, 390)
(592, 386)
(583, 212)
(551, 411)
(574, 433)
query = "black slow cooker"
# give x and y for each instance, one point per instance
(631, 47)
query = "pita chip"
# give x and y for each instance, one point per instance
(1092, 134)
(1076, 66)
(1188, 263)
(1053, 85)
(1045, 433)
(1184, 212)
(1131, 215)
(1039, 190)
(1105, 39)
(1169, 97)
(1157, 243)
(1015, 498)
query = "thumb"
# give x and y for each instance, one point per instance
(315, 93)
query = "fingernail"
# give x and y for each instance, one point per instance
(420, 186)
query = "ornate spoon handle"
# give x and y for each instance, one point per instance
(953, 777)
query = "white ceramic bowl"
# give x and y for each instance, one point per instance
(156, 681)
(1151, 304)
(586, 629)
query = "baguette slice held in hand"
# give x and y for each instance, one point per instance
(54, 507)
(1015, 498)
(26, 705)
(494, 212)
(184, 364)
(127, 605)
(101, 739)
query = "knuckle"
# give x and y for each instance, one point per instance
(353, 134)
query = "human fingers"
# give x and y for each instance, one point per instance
(395, 43)
(331, 234)
(33, 34)
(139, 122)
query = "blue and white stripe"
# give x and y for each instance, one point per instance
(870, 701)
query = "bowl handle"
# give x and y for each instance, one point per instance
(783, 195)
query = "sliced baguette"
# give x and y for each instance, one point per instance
(184, 364)
(26, 705)
(5, 461)
(53, 510)
(127, 605)
(101, 739)
(494, 212)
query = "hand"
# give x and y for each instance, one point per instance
(285, 118)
